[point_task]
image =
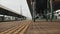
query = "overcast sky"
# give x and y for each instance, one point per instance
(17, 6)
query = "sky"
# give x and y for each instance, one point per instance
(18, 6)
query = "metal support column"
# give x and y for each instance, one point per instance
(3, 18)
(51, 10)
(33, 6)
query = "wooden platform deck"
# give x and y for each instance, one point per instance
(29, 27)
(44, 28)
(16, 27)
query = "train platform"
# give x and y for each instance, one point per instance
(44, 27)
(30, 27)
